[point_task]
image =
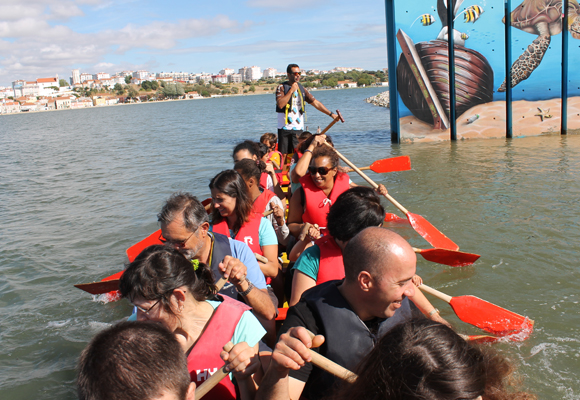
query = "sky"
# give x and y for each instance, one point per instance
(42, 38)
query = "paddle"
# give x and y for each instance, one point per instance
(420, 224)
(402, 163)
(448, 257)
(213, 380)
(106, 286)
(485, 315)
(330, 366)
(334, 121)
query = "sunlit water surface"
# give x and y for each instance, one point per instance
(79, 187)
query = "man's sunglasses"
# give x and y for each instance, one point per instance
(296, 73)
(177, 243)
(321, 170)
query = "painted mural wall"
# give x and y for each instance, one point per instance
(480, 68)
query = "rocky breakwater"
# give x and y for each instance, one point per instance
(381, 99)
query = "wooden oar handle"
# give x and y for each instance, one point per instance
(361, 169)
(220, 283)
(266, 213)
(304, 231)
(436, 293)
(334, 121)
(330, 366)
(213, 380)
(261, 258)
(369, 180)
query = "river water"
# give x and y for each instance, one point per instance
(79, 187)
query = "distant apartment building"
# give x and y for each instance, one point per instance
(40, 87)
(206, 78)
(9, 107)
(101, 75)
(219, 78)
(346, 69)
(178, 76)
(125, 73)
(250, 73)
(64, 102)
(143, 75)
(269, 73)
(6, 92)
(227, 71)
(76, 77)
(235, 78)
(81, 102)
(86, 77)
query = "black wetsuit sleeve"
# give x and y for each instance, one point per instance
(300, 315)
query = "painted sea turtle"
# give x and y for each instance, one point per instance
(542, 18)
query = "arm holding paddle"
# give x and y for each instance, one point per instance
(243, 361)
(235, 271)
(291, 352)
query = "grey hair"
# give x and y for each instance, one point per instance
(186, 205)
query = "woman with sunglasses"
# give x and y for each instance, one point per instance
(164, 288)
(232, 216)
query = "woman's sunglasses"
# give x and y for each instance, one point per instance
(321, 170)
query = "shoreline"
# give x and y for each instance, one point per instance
(169, 100)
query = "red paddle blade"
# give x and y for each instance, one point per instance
(105, 286)
(402, 163)
(449, 257)
(390, 217)
(137, 248)
(492, 318)
(430, 233)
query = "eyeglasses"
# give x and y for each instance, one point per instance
(296, 73)
(148, 310)
(180, 244)
(321, 170)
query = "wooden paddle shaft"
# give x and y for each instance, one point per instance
(334, 121)
(266, 213)
(261, 259)
(436, 293)
(330, 366)
(220, 283)
(361, 169)
(213, 380)
(369, 180)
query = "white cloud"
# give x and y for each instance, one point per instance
(104, 65)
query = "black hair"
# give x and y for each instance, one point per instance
(251, 147)
(354, 210)
(250, 169)
(132, 361)
(158, 270)
(231, 183)
(290, 66)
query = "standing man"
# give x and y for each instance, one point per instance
(290, 98)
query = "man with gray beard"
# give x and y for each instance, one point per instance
(185, 226)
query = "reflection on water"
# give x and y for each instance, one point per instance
(79, 187)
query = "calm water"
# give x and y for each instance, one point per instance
(79, 187)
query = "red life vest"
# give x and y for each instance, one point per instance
(331, 266)
(249, 233)
(204, 359)
(262, 201)
(317, 203)
(264, 180)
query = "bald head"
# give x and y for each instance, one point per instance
(377, 251)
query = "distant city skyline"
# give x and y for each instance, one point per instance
(44, 38)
